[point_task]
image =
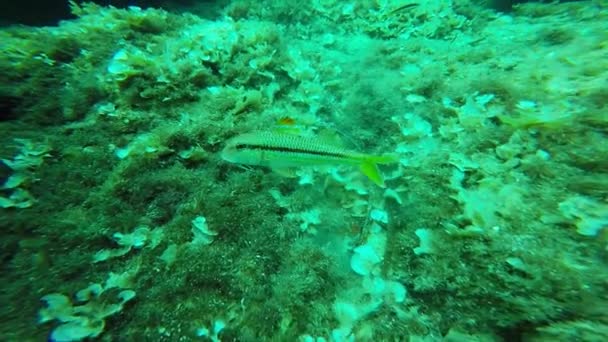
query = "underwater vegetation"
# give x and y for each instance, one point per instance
(306, 171)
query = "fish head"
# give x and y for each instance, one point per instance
(237, 151)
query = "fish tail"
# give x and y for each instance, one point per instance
(369, 167)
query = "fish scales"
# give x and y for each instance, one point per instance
(289, 144)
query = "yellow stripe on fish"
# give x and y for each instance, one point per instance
(280, 151)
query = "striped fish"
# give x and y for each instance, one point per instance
(280, 151)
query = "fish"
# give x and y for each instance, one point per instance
(286, 121)
(280, 151)
(403, 7)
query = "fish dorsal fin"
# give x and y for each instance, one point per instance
(330, 137)
(288, 130)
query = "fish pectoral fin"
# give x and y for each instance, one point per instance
(286, 172)
(288, 131)
(370, 169)
(245, 167)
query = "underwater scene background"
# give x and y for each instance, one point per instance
(320, 170)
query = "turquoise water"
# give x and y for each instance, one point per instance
(306, 171)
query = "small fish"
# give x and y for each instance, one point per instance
(286, 121)
(280, 152)
(403, 7)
